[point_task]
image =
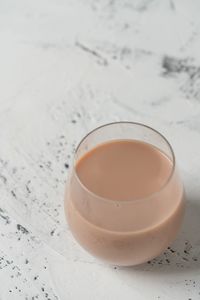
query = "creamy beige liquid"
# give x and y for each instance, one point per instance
(141, 215)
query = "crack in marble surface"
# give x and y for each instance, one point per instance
(101, 59)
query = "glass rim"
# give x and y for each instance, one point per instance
(130, 200)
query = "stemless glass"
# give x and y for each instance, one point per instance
(97, 223)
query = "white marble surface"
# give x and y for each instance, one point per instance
(67, 66)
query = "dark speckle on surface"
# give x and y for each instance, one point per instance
(78, 115)
(182, 258)
(13, 193)
(3, 178)
(27, 187)
(171, 250)
(190, 87)
(4, 216)
(66, 166)
(52, 232)
(22, 229)
(195, 259)
(172, 65)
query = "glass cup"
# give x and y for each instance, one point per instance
(89, 215)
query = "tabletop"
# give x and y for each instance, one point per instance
(65, 68)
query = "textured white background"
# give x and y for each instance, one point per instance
(66, 67)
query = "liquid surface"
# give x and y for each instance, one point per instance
(124, 170)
